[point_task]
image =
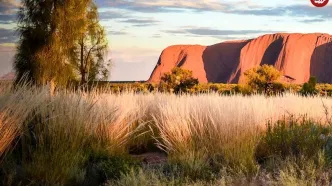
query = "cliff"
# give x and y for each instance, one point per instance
(9, 76)
(298, 56)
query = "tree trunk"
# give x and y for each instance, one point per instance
(52, 87)
(83, 73)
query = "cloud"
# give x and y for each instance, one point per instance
(156, 36)
(312, 20)
(117, 33)
(164, 6)
(141, 22)
(8, 6)
(7, 36)
(215, 32)
(180, 31)
(138, 6)
(291, 10)
(125, 18)
(246, 8)
(218, 33)
(7, 19)
(8, 9)
(106, 15)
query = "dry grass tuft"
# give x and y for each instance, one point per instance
(59, 134)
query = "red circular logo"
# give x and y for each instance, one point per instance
(319, 3)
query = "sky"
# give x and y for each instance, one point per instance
(138, 30)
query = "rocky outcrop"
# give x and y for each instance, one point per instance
(297, 56)
(9, 76)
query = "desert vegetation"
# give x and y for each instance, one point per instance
(76, 137)
(59, 125)
(261, 80)
(60, 43)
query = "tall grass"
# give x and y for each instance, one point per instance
(224, 129)
(15, 107)
(55, 138)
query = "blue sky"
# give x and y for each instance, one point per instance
(139, 30)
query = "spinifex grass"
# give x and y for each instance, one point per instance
(54, 138)
(15, 107)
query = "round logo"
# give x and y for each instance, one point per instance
(319, 3)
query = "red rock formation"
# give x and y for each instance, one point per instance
(298, 56)
(9, 76)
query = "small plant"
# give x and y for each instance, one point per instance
(309, 88)
(179, 80)
(103, 167)
(292, 138)
(263, 79)
(194, 165)
(243, 89)
(303, 171)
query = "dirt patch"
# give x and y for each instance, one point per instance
(153, 158)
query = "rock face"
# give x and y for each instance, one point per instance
(297, 56)
(9, 76)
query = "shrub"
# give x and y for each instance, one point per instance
(293, 137)
(263, 79)
(179, 80)
(303, 171)
(152, 177)
(103, 167)
(54, 136)
(309, 88)
(139, 178)
(243, 89)
(194, 165)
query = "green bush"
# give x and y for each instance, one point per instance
(293, 137)
(273, 88)
(179, 80)
(140, 178)
(243, 89)
(276, 88)
(103, 167)
(303, 171)
(263, 79)
(194, 165)
(309, 88)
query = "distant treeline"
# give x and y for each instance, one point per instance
(145, 87)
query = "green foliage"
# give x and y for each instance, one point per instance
(179, 80)
(292, 137)
(61, 142)
(214, 87)
(243, 89)
(194, 165)
(324, 89)
(309, 88)
(201, 88)
(103, 167)
(49, 30)
(87, 56)
(139, 178)
(238, 153)
(263, 79)
(303, 171)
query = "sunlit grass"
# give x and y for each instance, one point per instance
(55, 138)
